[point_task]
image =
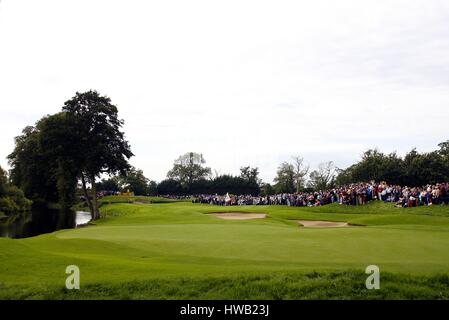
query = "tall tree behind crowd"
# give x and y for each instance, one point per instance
(414, 169)
(323, 177)
(188, 169)
(285, 178)
(251, 177)
(300, 172)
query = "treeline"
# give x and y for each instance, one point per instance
(218, 185)
(413, 169)
(190, 176)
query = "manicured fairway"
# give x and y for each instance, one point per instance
(176, 250)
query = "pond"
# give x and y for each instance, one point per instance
(39, 221)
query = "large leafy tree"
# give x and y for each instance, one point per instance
(251, 179)
(98, 133)
(424, 168)
(285, 178)
(59, 146)
(188, 168)
(377, 166)
(43, 161)
(83, 141)
(250, 174)
(30, 170)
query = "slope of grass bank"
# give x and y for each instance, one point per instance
(287, 286)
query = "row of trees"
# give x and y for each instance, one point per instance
(414, 169)
(295, 177)
(189, 175)
(246, 183)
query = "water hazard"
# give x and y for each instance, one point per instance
(40, 221)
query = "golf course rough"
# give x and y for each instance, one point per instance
(178, 250)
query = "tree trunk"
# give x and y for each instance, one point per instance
(86, 195)
(94, 199)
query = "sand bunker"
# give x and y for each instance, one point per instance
(238, 215)
(322, 224)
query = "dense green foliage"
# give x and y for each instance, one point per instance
(220, 185)
(190, 176)
(98, 133)
(414, 169)
(285, 178)
(175, 250)
(12, 199)
(42, 161)
(83, 141)
(31, 171)
(188, 169)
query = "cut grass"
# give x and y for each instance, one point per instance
(173, 250)
(291, 286)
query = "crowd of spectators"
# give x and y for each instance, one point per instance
(353, 194)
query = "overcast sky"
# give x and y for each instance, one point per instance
(243, 82)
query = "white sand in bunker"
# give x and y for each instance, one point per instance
(322, 224)
(238, 215)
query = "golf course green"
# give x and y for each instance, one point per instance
(163, 249)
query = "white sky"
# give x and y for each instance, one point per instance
(243, 82)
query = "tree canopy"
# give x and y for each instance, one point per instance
(285, 178)
(42, 161)
(12, 199)
(414, 169)
(188, 169)
(81, 142)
